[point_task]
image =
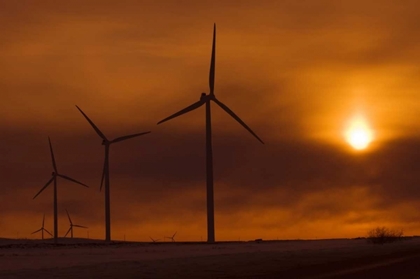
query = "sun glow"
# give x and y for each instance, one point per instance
(358, 133)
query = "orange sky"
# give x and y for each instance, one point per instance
(294, 72)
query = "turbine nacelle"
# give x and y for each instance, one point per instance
(206, 97)
(203, 97)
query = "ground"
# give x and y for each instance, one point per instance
(340, 258)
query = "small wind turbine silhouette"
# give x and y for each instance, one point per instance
(72, 225)
(105, 173)
(206, 99)
(54, 178)
(154, 240)
(171, 237)
(42, 229)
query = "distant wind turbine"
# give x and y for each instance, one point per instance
(72, 225)
(42, 229)
(206, 99)
(171, 237)
(54, 178)
(105, 173)
(154, 240)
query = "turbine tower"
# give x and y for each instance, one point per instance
(72, 225)
(42, 229)
(206, 99)
(105, 173)
(55, 174)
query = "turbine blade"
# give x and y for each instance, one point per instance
(67, 232)
(103, 176)
(73, 180)
(231, 113)
(129, 137)
(185, 110)
(152, 239)
(213, 62)
(52, 155)
(48, 232)
(174, 235)
(68, 215)
(93, 125)
(37, 231)
(43, 188)
(43, 221)
(79, 226)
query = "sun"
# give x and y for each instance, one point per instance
(358, 133)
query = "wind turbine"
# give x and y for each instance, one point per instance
(55, 174)
(42, 229)
(71, 226)
(206, 99)
(105, 173)
(171, 237)
(154, 240)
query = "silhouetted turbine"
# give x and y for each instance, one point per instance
(154, 240)
(171, 237)
(42, 229)
(205, 99)
(72, 225)
(54, 178)
(105, 172)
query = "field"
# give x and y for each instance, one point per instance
(337, 258)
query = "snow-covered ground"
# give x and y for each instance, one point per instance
(81, 259)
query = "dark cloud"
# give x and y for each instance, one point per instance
(164, 173)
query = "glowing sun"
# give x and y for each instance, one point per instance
(358, 133)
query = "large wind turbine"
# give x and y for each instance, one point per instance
(72, 225)
(42, 229)
(105, 173)
(54, 178)
(206, 99)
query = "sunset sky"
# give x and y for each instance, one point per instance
(297, 72)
